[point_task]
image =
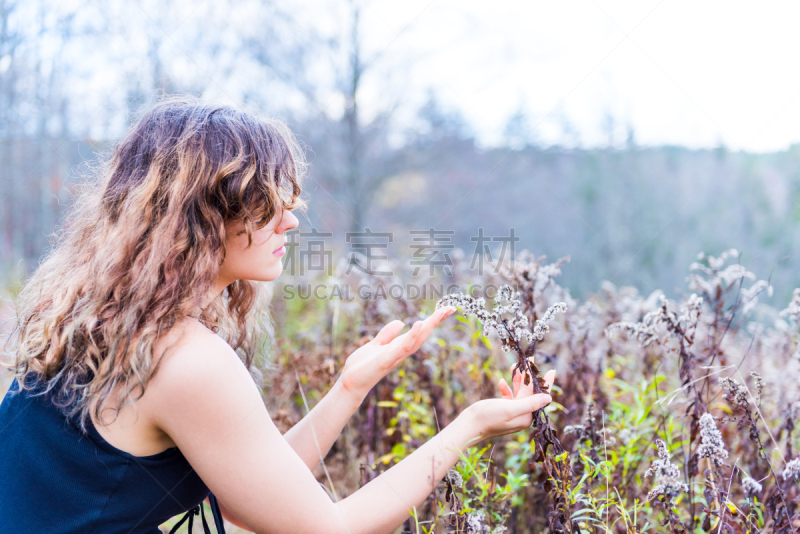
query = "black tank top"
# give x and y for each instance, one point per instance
(55, 479)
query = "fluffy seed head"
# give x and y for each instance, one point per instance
(792, 471)
(711, 445)
(750, 487)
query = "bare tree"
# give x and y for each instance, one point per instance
(352, 154)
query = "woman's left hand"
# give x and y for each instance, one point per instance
(370, 363)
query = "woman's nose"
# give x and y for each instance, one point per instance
(288, 222)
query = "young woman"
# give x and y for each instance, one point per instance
(134, 392)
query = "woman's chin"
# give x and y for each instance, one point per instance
(266, 274)
(273, 272)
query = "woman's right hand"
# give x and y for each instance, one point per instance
(512, 413)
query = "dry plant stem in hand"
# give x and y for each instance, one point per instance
(509, 322)
(512, 332)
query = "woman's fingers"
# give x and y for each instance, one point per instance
(524, 390)
(505, 391)
(529, 403)
(414, 338)
(388, 332)
(516, 379)
(549, 379)
(519, 381)
(402, 346)
(406, 342)
(449, 310)
(432, 322)
(387, 349)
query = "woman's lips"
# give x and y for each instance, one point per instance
(281, 251)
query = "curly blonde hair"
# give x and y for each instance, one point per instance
(142, 248)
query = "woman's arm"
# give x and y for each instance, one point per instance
(386, 502)
(228, 516)
(314, 435)
(207, 403)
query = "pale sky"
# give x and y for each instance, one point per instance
(692, 73)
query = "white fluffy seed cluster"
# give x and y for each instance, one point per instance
(793, 311)
(475, 522)
(626, 435)
(574, 429)
(542, 327)
(666, 475)
(750, 487)
(690, 311)
(511, 330)
(736, 392)
(792, 470)
(454, 477)
(714, 275)
(663, 319)
(711, 445)
(709, 279)
(644, 331)
(759, 385)
(663, 467)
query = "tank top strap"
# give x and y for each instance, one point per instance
(215, 511)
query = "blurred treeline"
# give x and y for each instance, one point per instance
(73, 74)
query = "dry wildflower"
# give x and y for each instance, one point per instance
(574, 429)
(714, 282)
(541, 327)
(492, 321)
(475, 523)
(711, 445)
(793, 311)
(606, 437)
(749, 296)
(643, 331)
(669, 488)
(690, 311)
(511, 330)
(716, 263)
(454, 478)
(626, 435)
(662, 467)
(666, 475)
(737, 394)
(792, 470)
(750, 487)
(715, 276)
(532, 277)
(681, 326)
(759, 385)
(510, 322)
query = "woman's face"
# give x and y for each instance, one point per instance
(262, 261)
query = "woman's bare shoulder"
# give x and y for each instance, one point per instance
(188, 339)
(191, 356)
